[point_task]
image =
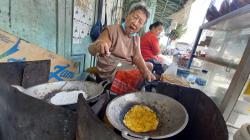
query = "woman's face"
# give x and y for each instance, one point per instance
(135, 21)
(157, 30)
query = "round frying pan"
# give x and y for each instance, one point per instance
(69, 89)
(173, 117)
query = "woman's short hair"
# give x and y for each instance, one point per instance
(156, 24)
(139, 6)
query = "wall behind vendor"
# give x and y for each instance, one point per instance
(58, 29)
(55, 29)
(85, 14)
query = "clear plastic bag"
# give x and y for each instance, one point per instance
(172, 69)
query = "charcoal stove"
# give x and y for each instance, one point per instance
(26, 118)
(23, 117)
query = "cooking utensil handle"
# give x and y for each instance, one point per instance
(20, 88)
(153, 83)
(144, 84)
(104, 83)
(129, 137)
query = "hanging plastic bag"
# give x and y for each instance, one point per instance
(98, 27)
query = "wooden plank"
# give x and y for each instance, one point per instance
(61, 27)
(237, 84)
(25, 73)
(35, 21)
(69, 26)
(34, 68)
(5, 14)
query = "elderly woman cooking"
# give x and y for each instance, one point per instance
(118, 46)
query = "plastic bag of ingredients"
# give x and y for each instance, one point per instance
(126, 81)
(172, 69)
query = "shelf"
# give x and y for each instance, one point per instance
(218, 61)
(234, 20)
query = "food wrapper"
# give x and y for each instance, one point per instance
(172, 79)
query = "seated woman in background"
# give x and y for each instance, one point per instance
(150, 48)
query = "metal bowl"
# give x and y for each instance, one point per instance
(173, 117)
(48, 90)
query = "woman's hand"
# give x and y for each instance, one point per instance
(102, 47)
(149, 76)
